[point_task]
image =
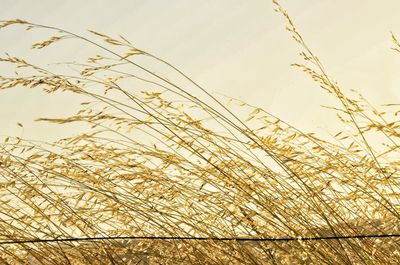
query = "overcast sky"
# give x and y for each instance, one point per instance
(238, 48)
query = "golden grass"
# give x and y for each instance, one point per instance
(178, 164)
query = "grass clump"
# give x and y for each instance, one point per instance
(168, 175)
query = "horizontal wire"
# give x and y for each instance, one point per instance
(31, 241)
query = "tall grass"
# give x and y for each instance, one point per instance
(171, 175)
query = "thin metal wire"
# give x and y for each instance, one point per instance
(31, 241)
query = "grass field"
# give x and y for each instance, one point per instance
(165, 175)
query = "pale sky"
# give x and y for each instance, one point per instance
(237, 48)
